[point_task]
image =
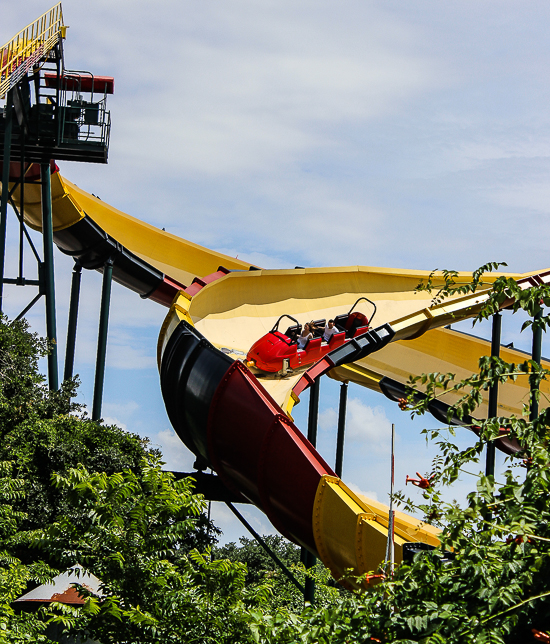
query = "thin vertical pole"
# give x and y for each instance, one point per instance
(536, 354)
(307, 558)
(73, 320)
(8, 119)
(392, 511)
(22, 203)
(313, 413)
(493, 393)
(49, 285)
(390, 548)
(102, 339)
(341, 429)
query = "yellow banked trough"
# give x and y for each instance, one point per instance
(236, 310)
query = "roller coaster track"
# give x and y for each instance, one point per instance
(226, 415)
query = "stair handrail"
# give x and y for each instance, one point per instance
(29, 46)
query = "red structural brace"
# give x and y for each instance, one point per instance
(81, 82)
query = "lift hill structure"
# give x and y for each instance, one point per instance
(49, 113)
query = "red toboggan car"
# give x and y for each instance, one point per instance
(278, 352)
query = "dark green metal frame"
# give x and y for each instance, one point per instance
(14, 143)
(493, 392)
(46, 278)
(102, 339)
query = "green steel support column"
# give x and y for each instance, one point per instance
(536, 356)
(49, 285)
(493, 393)
(102, 339)
(73, 320)
(313, 413)
(341, 429)
(306, 557)
(8, 119)
(22, 203)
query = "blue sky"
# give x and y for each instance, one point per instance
(402, 134)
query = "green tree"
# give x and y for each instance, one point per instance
(130, 530)
(43, 432)
(16, 627)
(262, 570)
(47, 439)
(259, 564)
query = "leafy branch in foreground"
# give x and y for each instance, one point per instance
(451, 286)
(130, 531)
(505, 292)
(492, 370)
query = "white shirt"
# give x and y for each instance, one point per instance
(328, 333)
(302, 339)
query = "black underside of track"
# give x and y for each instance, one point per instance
(362, 346)
(211, 487)
(440, 411)
(93, 247)
(190, 374)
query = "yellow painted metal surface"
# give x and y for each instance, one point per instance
(445, 351)
(234, 311)
(240, 308)
(279, 389)
(66, 210)
(351, 531)
(357, 374)
(180, 259)
(30, 46)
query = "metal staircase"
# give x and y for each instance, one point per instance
(29, 47)
(59, 114)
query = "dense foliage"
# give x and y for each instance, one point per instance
(72, 491)
(75, 491)
(43, 432)
(127, 529)
(263, 571)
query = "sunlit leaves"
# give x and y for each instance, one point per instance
(444, 284)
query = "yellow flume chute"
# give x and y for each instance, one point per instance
(236, 310)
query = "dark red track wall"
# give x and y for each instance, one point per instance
(259, 452)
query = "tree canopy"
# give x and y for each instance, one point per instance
(76, 492)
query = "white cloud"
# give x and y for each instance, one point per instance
(369, 493)
(246, 87)
(328, 419)
(258, 259)
(531, 196)
(176, 456)
(364, 424)
(120, 414)
(367, 424)
(111, 420)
